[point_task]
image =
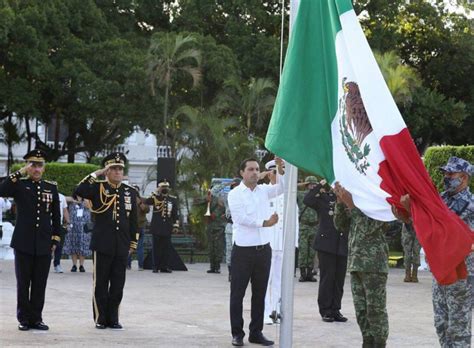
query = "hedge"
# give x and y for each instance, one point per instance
(437, 156)
(67, 175)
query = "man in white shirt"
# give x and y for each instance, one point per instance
(251, 254)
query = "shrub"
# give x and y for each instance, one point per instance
(437, 156)
(67, 175)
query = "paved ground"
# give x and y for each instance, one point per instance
(190, 309)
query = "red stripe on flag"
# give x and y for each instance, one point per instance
(445, 238)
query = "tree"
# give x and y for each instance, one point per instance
(251, 102)
(401, 79)
(171, 57)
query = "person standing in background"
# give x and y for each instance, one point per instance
(64, 223)
(142, 210)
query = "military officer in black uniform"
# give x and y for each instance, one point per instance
(37, 232)
(114, 236)
(164, 221)
(331, 246)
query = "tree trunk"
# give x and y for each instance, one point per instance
(57, 129)
(71, 145)
(28, 132)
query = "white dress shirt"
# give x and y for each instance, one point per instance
(250, 208)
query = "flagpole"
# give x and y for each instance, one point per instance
(289, 226)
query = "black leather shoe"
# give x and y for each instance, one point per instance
(262, 340)
(328, 318)
(100, 326)
(155, 271)
(166, 270)
(116, 326)
(211, 271)
(238, 341)
(40, 326)
(339, 317)
(23, 327)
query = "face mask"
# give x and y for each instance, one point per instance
(451, 184)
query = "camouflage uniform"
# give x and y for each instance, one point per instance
(368, 264)
(411, 253)
(215, 233)
(308, 224)
(452, 304)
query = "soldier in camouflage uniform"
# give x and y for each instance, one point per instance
(308, 224)
(452, 303)
(368, 264)
(411, 253)
(215, 230)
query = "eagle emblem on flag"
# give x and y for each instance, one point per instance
(354, 125)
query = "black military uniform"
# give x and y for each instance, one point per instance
(331, 245)
(164, 219)
(37, 228)
(114, 234)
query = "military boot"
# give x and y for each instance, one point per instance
(303, 273)
(414, 274)
(310, 276)
(407, 275)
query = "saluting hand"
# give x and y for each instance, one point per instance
(100, 172)
(24, 170)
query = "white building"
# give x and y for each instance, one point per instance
(140, 148)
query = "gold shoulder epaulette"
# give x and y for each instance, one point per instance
(130, 186)
(51, 182)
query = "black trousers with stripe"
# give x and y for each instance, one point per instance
(31, 277)
(109, 280)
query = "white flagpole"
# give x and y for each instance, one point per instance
(289, 225)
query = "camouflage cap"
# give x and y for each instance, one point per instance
(311, 180)
(457, 165)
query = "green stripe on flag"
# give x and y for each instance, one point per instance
(300, 127)
(343, 6)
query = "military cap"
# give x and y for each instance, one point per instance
(270, 165)
(164, 183)
(457, 165)
(311, 180)
(37, 155)
(114, 159)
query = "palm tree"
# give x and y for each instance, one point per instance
(401, 79)
(254, 103)
(170, 56)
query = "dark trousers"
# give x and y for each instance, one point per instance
(58, 252)
(331, 282)
(161, 251)
(109, 280)
(249, 264)
(140, 251)
(31, 278)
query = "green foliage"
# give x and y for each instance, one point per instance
(437, 156)
(67, 175)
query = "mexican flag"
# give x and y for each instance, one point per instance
(334, 116)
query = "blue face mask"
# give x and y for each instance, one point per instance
(451, 184)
